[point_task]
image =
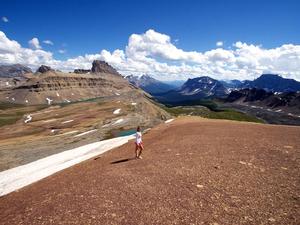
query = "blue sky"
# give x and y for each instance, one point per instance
(87, 27)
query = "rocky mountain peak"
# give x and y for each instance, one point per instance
(103, 67)
(44, 69)
(275, 83)
(148, 79)
(204, 86)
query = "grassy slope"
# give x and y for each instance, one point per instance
(11, 113)
(209, 109)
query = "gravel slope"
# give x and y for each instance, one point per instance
(194, 171)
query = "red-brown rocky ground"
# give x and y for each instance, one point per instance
(193, 171)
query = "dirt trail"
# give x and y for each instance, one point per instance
(193, 171)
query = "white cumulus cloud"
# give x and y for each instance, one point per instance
(34, 43)
(154, 53)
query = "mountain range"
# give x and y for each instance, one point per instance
(206, 87)
(149, 84)
(196, 88)
(267, 82)
(273, 83)
(270, 99)
(15, 70)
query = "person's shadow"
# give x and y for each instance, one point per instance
(122, 160)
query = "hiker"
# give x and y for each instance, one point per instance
(138, 143)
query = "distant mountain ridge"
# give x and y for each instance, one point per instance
(149, 84)
(193, 89)
(268, 82)
(260, 97)
(196, 88)
(15, 70)
(275, 83)
(206, 87)
(232, 84)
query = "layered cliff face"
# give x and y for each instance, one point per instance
(61, 87)
(49, 87)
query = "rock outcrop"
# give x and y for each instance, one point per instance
(103, 67)
(44, 69)
(81, 71)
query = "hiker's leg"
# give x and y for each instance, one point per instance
(136, 151)
(141, 149)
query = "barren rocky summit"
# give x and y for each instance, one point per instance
(193, 171)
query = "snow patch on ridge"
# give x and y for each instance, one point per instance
(49, 101)
(84, 133)
(29, 118)
(169, 121)
(117, 111)
(68, 121)
(119, 121)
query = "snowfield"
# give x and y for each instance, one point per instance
(21, 176)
